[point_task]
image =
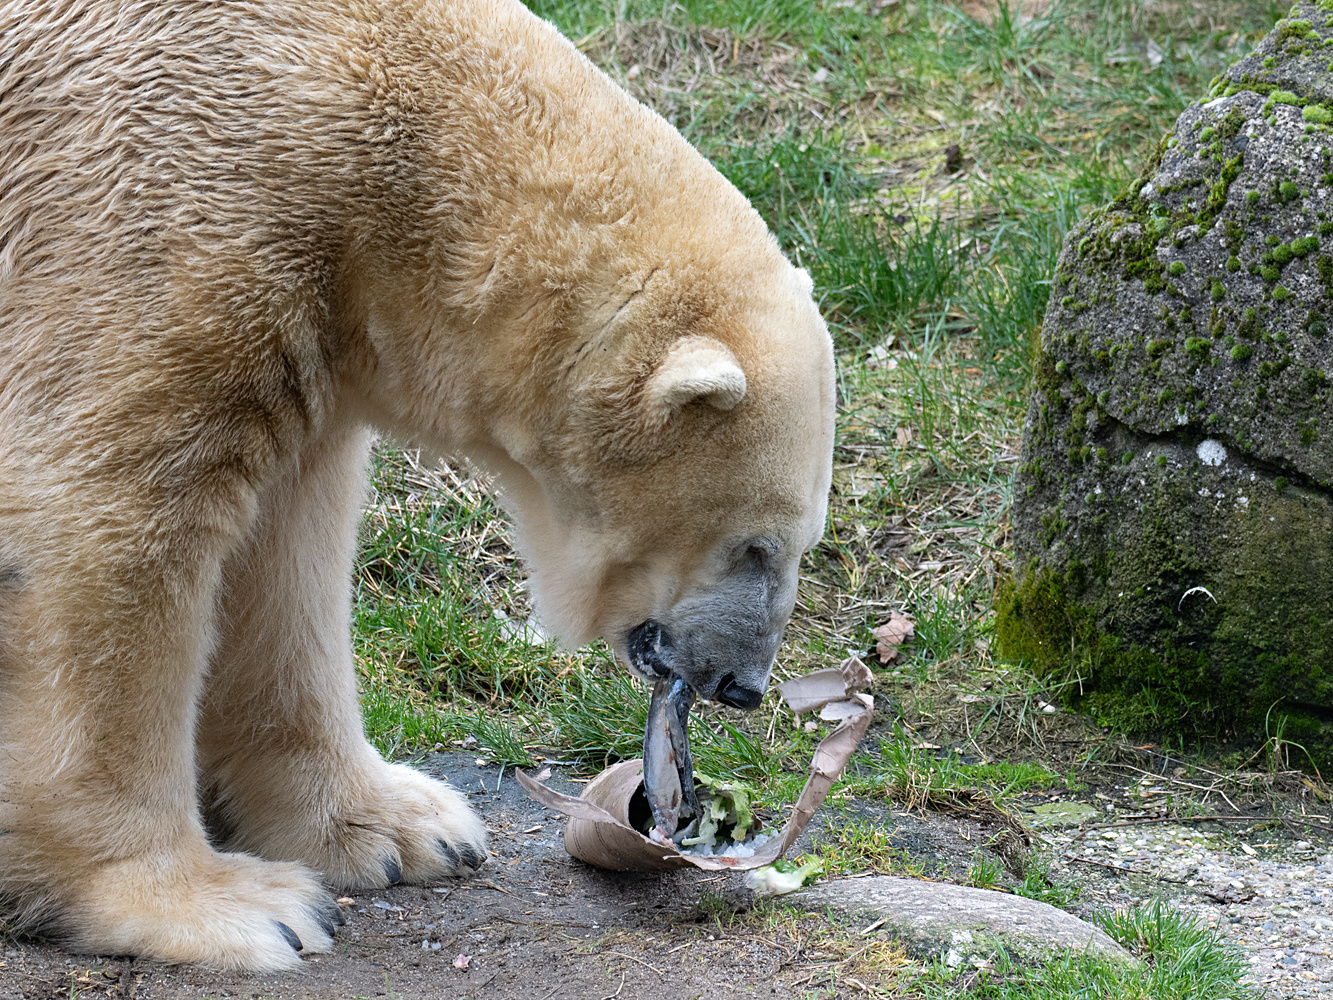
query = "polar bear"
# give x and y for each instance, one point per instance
(237, 238)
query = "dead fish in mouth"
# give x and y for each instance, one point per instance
(668, 771)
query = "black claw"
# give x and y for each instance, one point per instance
(451, 857)
(392, 872)
(290, 935)
(328, 918)
(471, 857)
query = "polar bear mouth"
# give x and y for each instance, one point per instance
(654, 655)
(650, 649)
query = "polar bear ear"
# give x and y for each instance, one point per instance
(696, 369)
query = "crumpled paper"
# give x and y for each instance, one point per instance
(599, 832)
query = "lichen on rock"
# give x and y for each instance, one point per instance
(1173, 511)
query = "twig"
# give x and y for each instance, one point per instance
(1180, 819)
(539, 923)
(1300, 823)
(639, 960)
(1177, 781)
(612, 996)
(481, 884)
(1124, 871)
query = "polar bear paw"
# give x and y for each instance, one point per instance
(406, 828)
(362, 823)
(224, 911)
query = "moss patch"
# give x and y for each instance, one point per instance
(1111, 557)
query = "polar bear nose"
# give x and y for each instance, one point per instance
(733, 693)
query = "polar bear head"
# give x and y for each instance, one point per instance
(607, 326)
(666, 458)
(668, 507)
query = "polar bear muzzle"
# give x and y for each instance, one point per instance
(723, 638)
(652, 652)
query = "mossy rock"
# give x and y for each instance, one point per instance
(1173, 512)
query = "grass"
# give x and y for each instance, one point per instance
(932, 264)
(858, 845)
(1178, 960)
(985, 872)
(924, 160)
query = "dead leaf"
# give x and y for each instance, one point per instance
(892, 634)
(1228, 894)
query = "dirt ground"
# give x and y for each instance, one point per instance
(534, 923)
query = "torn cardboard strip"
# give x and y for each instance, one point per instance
(599, 830)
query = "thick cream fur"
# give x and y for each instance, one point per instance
(232, 238)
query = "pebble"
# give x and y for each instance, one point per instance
(1271, 900)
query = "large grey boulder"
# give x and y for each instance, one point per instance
(1173, 513)
(955, 922)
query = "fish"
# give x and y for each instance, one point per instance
(679, 701)
(668, 770)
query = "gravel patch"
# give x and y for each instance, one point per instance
(1271, 899)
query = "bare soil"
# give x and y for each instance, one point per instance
(534, 923)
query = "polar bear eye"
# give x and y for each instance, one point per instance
(759, 552)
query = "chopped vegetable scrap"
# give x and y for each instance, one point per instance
(783, 877)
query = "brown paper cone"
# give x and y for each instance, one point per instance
(601, 832)
(617, 845)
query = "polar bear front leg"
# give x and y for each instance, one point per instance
(286, 771)
(105, 606)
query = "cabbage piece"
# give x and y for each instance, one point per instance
(736, 799)
(783, 877)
